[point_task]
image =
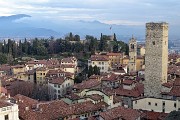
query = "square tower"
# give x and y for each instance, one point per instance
(156, 58)
(132, 55)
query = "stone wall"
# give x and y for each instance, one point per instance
(156, 58)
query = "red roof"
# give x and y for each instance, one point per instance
(121, 113)
(110, 77)
(95, 97)
(114, 54)
(128, 82)
(136, 92)
(150, 115)
(168, 84)
(4, 104)
(58, 80)
(99, 58)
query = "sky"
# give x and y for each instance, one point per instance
(120, 12)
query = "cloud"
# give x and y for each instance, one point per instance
(116, 11)
(122, 22)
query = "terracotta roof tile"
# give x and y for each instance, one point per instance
(120, 113)
(58, 80)
(99, 58)
(87, 84)
(4, 104)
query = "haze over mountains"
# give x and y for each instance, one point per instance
(22, 25)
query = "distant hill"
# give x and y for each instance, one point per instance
(22, 25)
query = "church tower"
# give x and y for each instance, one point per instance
(132, 54)
(156, 58)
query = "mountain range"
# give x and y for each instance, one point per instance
(22, 25)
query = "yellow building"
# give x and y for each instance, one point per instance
(101, 61)
(125, 60)
(40, 75)
(115, 58)
(141, 49)
(139, 63)
(22, 76)
(18, 69)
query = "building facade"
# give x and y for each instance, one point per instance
(8, 111)
(156, 58)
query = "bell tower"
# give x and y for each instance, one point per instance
(132, 54)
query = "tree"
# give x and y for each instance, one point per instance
(14, 49)
(76, 38)
(103, 43)
(78, 79)
(96, 70)
(114, 38)
(4, 47)
(3, 58)
(25, 46)
(174, 115)
(90, 71)
(20, 48)
(42, 51)
(115, 46)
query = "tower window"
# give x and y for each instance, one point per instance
(132, 46)
(153, 42)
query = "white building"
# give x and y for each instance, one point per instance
(58, 86)
(8, 111)
(102, 62)
(156, 104)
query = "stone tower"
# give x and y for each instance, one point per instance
(156, 58)
(132, 54)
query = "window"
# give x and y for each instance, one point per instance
(93, 62)
(6, 117)
(153, 42)
(135, 102)
(163, 103)
(59, 91)
(175, 105)
(43, 73)
(3, 109)
(155, 104)
(102, 68)
(55, 85)
(149, 103)
(8, 108)
(102, 63)
(40, 73)
(58, 86)
(99, 62)
(55, 90)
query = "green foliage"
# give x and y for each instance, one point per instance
(114, 38)
(174, 115)
(96, 70)
(103, 42)
(90, 71)
(71, 45)
(3, 58)
(93, 70)
(78, 79)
